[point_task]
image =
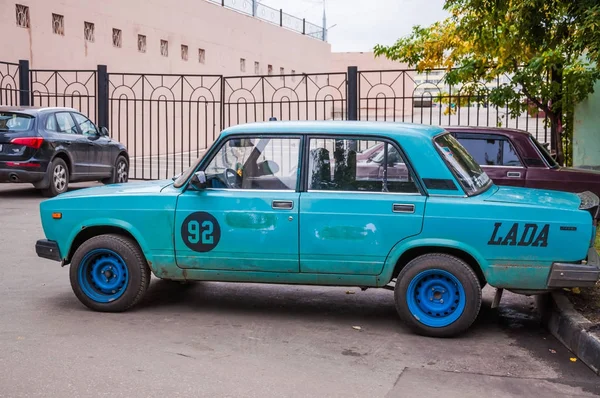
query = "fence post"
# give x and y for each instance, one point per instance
(303, 26)
(223, 3)
(102, 96)
(24, 88)
(352, 98)
(281, 17)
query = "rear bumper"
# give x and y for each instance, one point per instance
(18, 174)
(48, 249)
(575, 275)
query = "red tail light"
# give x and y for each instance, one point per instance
(31, 142)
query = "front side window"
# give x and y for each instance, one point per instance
(358, 165)
(65, 123)
(10, 121)
(85, 125)
(255, 163)
(496, 151)
(469, 174)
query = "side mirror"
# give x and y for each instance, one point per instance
(198, 180)
(104, 131)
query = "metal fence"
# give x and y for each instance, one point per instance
(274, 16)
(9, 84)
(169, 120)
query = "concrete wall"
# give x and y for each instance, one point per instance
(225, 35)
(586, 132)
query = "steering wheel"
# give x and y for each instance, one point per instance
(232, 179)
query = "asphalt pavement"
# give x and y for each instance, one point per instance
(250, 340)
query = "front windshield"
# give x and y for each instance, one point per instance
(470, 175)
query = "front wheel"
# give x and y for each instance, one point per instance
(438, 295)
(109, 273)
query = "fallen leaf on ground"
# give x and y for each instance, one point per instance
(573, 359)
(552, 351)
(576, 290)
(356, 327)
(349, 292)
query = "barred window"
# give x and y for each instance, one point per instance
(270, 69)
(293, 77)
(22, 15)
(184, 52)
(117, 37)
(88, 31)
(141, 43)
(164, 48)
(256, 68)
(242, 65)
(58, 24)
(201, 55)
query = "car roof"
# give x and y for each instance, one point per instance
(337, 127)
(484, 130)
(34, 110)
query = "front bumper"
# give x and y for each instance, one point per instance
(48, 249)
(576, 275)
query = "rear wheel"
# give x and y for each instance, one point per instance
(438, 295)
(120, 172)
(58, 177)
(109, 273)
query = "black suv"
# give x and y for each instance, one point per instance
(50, 147)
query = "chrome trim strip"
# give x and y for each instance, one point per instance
(366, 192)
(250, 190)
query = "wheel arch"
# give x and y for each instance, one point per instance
(404, 253)
(85, 232)
(66, 158)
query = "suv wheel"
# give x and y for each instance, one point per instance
(58, 176)
(120, 172)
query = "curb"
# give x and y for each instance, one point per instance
(571, 328)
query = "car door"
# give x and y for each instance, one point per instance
(350, 219)
(66, 135)
(497, 156)
(246, 219)
(99, 151)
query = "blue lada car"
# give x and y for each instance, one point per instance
(297, 203)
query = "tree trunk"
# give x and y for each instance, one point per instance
(556, 136)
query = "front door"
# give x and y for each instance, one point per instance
(350, 218)
(247, 217)
(98, 155)
(497, 156)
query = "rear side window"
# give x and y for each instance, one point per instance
(491, 151)
(51, 123)
(65, 123)
(10, 121)
(358, 165)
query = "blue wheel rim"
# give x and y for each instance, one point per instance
(436, 298)
(103, 275)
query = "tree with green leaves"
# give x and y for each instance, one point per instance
(549, 48)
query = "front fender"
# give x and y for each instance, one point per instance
(411, 243)
(65, 247)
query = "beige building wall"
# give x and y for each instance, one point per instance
(224, 34)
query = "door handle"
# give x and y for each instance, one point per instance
(282, 205)
(403, 208)
(513, 174)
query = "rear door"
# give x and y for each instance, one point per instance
(497, 156)
(350, 218)
(67, 135)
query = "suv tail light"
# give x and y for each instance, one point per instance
(31, 142)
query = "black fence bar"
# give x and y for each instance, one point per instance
(102, 100)
(10, 88)
(24, 89)
(352, 93)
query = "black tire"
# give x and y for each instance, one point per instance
(58, 178)
(443, 274)
(137, 271)
(120, 172)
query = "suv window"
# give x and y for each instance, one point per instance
(15, 122)
(51, 124)
(85, 125)
(491, 151)
(357, 165)
(255, 163)
(65, 123)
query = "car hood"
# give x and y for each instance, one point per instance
(535, 197)
(130, 188)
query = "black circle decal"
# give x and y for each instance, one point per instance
(200, 232)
